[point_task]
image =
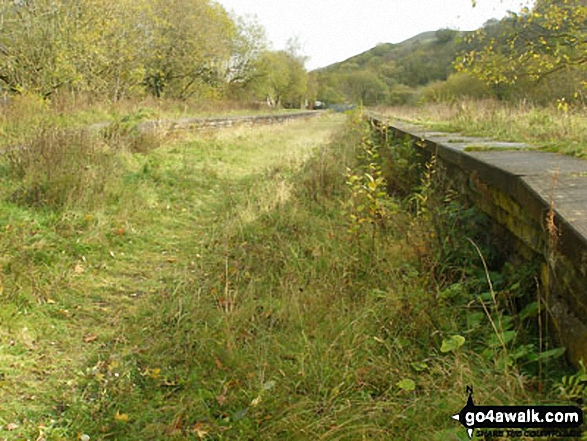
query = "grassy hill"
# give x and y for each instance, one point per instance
(390, 73)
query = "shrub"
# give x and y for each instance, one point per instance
(457, 85)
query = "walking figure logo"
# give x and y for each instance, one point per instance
(557, 421)
(469, 407)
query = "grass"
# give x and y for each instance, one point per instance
(25, 115)
(212, 289)
(561, 129)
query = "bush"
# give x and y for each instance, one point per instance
(457, 85)
(401, 94)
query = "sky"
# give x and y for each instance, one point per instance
(330, 31)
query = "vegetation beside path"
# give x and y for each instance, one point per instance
(559, 128)
(251, 283)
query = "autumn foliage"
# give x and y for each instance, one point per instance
(118, 49)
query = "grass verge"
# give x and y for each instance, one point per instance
(560, 129)
(248, 284)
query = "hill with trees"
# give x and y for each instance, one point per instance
(391, 73)
(537, 55)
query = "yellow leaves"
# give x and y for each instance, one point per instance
(121, 417)
(200, 430)
(153, 373)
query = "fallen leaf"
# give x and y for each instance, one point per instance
(153, 373)
(51, 301)
(222, 399)
(200, 430)
(406, 384)
(171, 260)
(90, 338)
(176, 427)
(10, 427)
(122, 417)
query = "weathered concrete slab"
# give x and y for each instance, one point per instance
(532, 163)
(568, 194)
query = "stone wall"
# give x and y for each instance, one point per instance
(539, 198)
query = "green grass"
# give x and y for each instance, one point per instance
(212, 289)
(560, 129)
(25, 115)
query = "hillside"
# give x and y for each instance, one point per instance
(389, 73)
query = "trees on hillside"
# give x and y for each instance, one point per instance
(538, 54)
(121, 48)
(388, 73)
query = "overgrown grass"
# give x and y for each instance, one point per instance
(222, 289)
(559, 128)
(22, 116)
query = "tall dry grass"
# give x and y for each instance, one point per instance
(558, 128)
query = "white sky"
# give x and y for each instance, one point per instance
(334, 30)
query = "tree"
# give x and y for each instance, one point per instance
(534, 44)
(189, 45)
(282, 79)
(248, 42)
(33, 46)
(366, 87)
(118, 48)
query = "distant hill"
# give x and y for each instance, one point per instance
(390, 73)
(420, 38)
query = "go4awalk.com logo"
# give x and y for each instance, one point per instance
(529, 421)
